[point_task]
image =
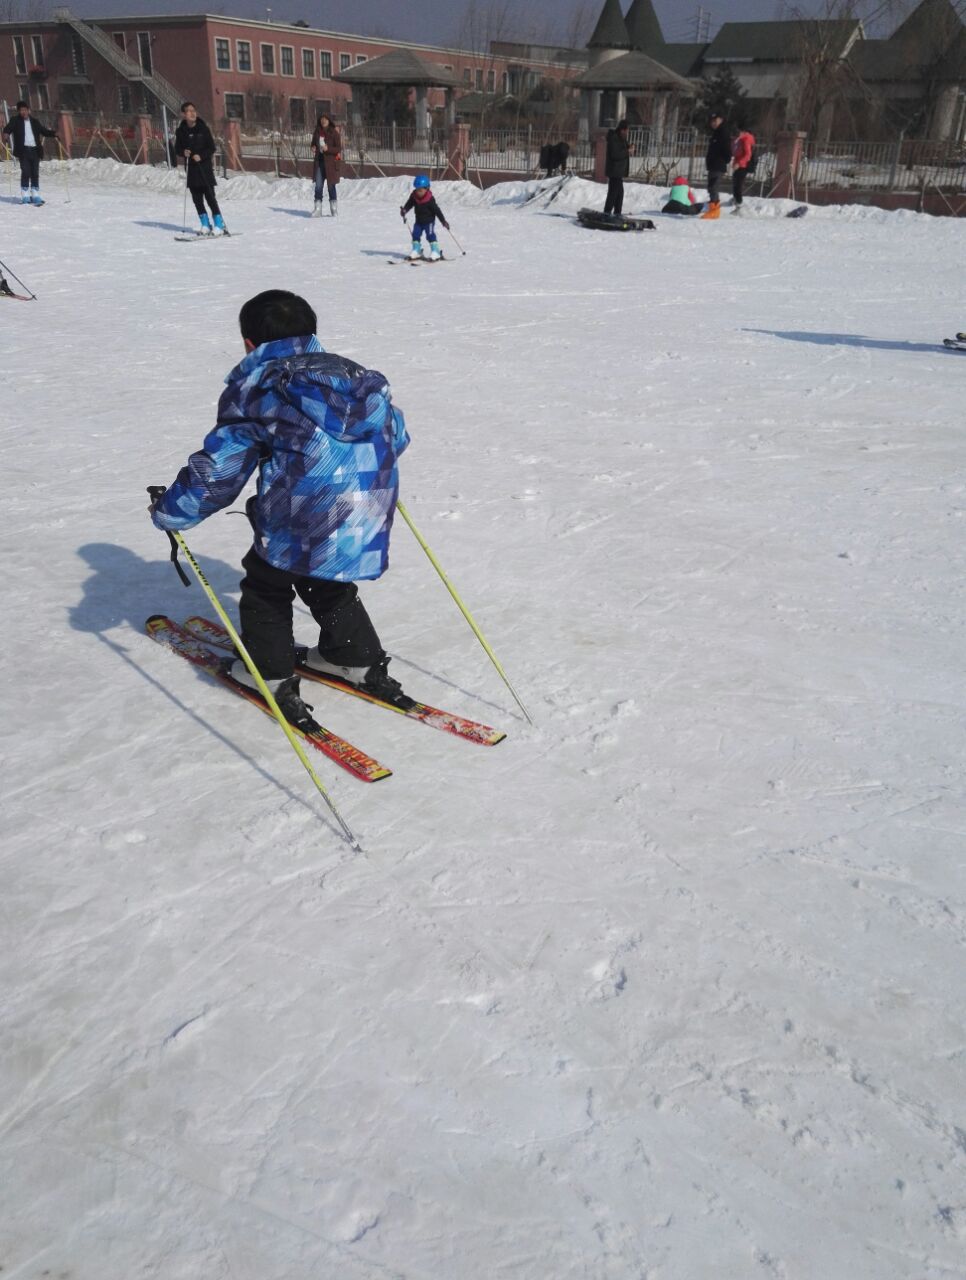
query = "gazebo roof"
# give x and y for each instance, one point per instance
(633, 71)
(401, 66)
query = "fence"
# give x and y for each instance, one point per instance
(882, 166)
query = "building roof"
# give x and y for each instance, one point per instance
(685, 59)
(401, 66)
(611, 29)
(633, 71)
(781, 41)
(931, 42)
(644, 29)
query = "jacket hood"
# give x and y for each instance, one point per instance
(347, 401)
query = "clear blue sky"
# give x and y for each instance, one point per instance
(444, 21)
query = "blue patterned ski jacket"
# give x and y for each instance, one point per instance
(325, 436)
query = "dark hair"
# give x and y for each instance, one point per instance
(275, 314)
(21, 103)
(324, 115)
(186, 105)
(621, 124)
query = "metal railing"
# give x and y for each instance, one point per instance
(906, 165)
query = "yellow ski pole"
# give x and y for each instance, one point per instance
(263, 688)
(462, 607)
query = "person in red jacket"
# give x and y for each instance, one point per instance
(741, 153)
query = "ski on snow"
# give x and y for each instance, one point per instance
(956, 344)
(189, 237)
(415, 262)
(472, 730)
(186, 645)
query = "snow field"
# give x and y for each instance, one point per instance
(669, 986)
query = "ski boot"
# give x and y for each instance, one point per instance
(205, 221)
(285, 692)
(416, 251)
(435, 253)
(5, 290)
(35, 196)
(333, 208)
(714, 210)
(24, 196)
(317, 209)
(374, 680)
(736, 211)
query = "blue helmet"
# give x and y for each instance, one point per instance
(421, 183)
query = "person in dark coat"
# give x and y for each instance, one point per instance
(717, 160)
(28, 147)
(194, 142)
(327, 168)
(617, 167)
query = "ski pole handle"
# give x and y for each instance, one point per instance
(154, 493)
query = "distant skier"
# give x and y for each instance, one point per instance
(717, 160)
(327, 167)
(194, 143)
(28, 147)
(743, 160)
(616, 167)
(325, 437)
(426, 211)
(682, 199)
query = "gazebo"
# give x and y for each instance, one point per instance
(400, 69)
(606, 87)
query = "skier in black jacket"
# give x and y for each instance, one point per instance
(718, 159)
(617, 167)
(426, 211)
(194, 142)
(28, 146)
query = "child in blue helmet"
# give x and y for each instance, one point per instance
(423, 203)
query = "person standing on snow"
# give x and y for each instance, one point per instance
(426, 211)
(194, 142)
(327, 166)
(741, 154)
(616, 167)
(28, 147)
(325, 437)
(717, 160)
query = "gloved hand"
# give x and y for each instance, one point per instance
(155, 491)
(402, 212)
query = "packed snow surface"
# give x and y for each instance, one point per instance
(670, 985)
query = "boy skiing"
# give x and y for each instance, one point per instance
(28, 148)
(426, 210)
(325, 437)
(193, 140)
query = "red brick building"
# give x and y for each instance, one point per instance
(232, 68)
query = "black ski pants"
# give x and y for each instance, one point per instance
(738, 184)
(346, 633)
(29, 168)
(200, 194)
(715, 179)
(615, 195)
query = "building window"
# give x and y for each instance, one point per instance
(124, 99)
(223, 54)
(286, 57)
(268, 59)
(77, 57)
(479, 77)
(308, 64)
(262, 108)
(19, 57)
(119, 41)
(361, 57)
(345, 61)
(43, 97)
(37, 49)
(296, 112)
(467, 77)
(24, 91)
(323, 107)
(491, 82)
(325, 64)
(144, 51)
(506, 82)
(243, 55)
(234, 106)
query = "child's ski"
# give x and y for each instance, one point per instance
(472, 730)
(191, 236)
(956, 344)
(186, 645)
